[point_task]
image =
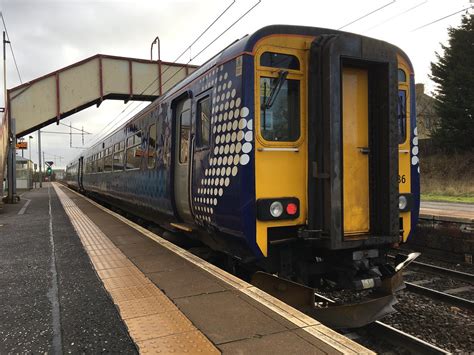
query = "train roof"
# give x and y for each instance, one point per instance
(245, 44)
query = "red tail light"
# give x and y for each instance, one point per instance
(291, 209)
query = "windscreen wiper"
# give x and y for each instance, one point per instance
(275, 89)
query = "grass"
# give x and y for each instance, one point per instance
(447, 177)
(447, 198)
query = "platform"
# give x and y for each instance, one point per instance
(448, 212)
(78, 277)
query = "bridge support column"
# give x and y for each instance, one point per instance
(11, 166)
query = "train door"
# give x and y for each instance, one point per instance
(183, 143)
(80, 173)
(355, 155)
(352, 141)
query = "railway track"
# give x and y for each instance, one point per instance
(440, 296)
(434, 269)
(401, 339)
(430, 269)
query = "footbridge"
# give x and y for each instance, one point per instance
(59, 94)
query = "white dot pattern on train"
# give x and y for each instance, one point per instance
(232, 132)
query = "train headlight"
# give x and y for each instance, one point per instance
(405, 202)
(276, 209)
(402, 202)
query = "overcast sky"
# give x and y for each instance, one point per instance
(49, 34)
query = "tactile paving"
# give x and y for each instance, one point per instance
(117, 272)
(154, 322)
(111, 264)
(158, 325)
(125, 281)
(145, 306)
(133, 293)
(187, 343)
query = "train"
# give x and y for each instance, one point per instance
(293, 150)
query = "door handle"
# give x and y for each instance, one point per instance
(364, 150)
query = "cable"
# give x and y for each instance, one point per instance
(207, 46)
(395, 16)
(215, 39)
(442, 18)
(166, 69)
(77, 129)
(368, 14)
(11, 47)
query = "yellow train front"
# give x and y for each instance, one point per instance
(336, 166)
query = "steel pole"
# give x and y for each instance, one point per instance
(5, 68)
(40, 173)
(29, 146)
(11, 165)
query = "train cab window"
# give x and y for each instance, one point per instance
(402, 116)
(108, 160)
(118, 156)
(152, 146)
(204, 122)
(134, 152)
(184, 131)
(279, 60)
(280, 108)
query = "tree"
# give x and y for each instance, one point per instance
(454, 75)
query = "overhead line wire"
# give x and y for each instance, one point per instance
(11, 47)
(442, 18)
(367, 14)
(209, 44)
(395, 16)
(72, 127)
(166, 69)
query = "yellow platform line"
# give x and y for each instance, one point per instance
(329, 341)
(154, 323)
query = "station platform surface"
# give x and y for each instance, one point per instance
(76, 277)
(446, 211)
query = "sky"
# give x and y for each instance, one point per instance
(47, 35)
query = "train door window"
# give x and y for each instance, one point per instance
(280, 108)
(402, 116)
(204, 121)
(118, 156)
(152, 146)
(134, 152)
(184, 131)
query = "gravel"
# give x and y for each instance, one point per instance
(448, 327)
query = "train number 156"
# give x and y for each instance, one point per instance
(402, 179)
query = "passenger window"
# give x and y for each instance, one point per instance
(134, 152)
(118, 156)
(100, 162)
(279, 60)
(108, 160)
(402, 116)
(204, 122)
(280, 109)
(184, 132)
(152, 146)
